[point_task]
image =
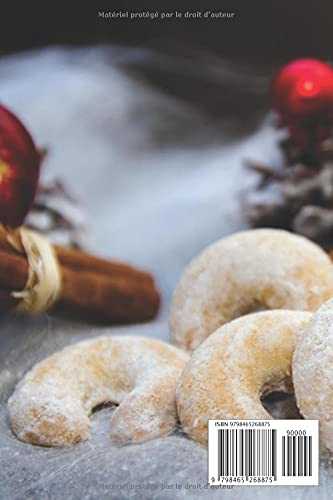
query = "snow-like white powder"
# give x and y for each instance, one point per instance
(248, 271)
(51, 405)
(313, 372)
(227, 373)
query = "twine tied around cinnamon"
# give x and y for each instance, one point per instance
(43, 285)
(71, 282)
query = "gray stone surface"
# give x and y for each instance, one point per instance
(156, 207)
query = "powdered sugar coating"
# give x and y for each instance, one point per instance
(246, 272)
(52, 404)
(227, 374)
(313, 372)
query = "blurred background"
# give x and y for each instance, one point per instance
(261, 32)
(211, 64)
(148, 121)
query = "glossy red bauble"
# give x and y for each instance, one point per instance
(303, 88)
(302, 93)
(19, 169)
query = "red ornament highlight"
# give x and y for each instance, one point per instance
(19, 169)
(302, 93)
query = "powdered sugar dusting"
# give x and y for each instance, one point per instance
(51, 405)
(313, 372)
(226, 375)
(245, 272)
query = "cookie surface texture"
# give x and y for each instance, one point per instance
(313, 373)
(247, 272)
(230, 371)
(52, 403)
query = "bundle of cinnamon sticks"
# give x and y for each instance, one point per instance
(93, 288)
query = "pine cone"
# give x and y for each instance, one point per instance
(298, 196)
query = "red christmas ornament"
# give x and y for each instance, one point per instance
(19, 170)
(302, 94)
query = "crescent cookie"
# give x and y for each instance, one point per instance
(52, 404)
(247, 272)
(227, 375)
(313, 372)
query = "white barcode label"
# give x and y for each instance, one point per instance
(263, 452)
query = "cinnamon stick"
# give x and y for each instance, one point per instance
(83, 261)
(122, 294)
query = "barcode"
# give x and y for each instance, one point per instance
(263, 452)
(297, 455)
(247, 452)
